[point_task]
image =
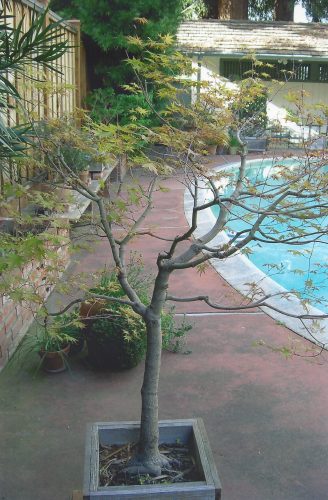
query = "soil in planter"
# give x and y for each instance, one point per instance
(113, 460)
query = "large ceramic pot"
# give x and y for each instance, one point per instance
(189, 432)
(56, 361)
(91, 308)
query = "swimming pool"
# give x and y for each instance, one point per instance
(301, 269)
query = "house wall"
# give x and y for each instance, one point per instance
(62, 91)
(316, 93)
(208, 68)
(16, 317)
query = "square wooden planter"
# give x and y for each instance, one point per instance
(191, 432)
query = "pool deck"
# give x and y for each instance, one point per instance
(266, 416)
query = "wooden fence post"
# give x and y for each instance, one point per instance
(77, 52)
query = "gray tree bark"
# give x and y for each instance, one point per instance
(148, 458)
(284, 10)
(233, 9)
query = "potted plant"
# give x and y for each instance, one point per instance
(118, 341)
(77, 159)
(190, 434)
(233, 145)
(115, 334)
(63, 143)
(71, 325)
(52, 345)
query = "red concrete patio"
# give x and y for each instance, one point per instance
(266, 416)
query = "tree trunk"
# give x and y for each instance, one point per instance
(148, 459)
(284, 10)
(148, 441)
(233, 9)
(212, 9)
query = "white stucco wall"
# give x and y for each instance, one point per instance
(208, 68)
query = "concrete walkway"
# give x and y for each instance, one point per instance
(266, 417)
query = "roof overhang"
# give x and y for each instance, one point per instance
(260, 55)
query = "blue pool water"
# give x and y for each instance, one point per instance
(296, 268)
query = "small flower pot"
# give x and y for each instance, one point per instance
(189, 432)
(54, 362)
(211, 149)
(84, 176)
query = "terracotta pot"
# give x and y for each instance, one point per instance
(54, 362)
(91, 308)
(211, 149)
(84, 176)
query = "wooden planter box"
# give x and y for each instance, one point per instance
(191, 432)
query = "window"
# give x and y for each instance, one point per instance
(323, 73)
(235, 69)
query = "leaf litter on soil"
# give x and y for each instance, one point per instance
(113, 460)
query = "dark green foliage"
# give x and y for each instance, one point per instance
(254, 116)
(105, 26)
(108, 23)
(316, 9)
(117, 342)
(108, 107)
(264, 9)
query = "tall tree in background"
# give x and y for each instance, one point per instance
(232, 9)
(278, 10)
(283, 10)
(317, 10)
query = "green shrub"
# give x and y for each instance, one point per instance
(118, 341)
(174, 336)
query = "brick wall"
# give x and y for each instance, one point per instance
(16, 318)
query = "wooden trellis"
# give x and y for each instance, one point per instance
(48, 94)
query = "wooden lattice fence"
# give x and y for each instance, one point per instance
(58, 93)
(48, 94)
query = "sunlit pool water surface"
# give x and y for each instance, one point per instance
(283, 263)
